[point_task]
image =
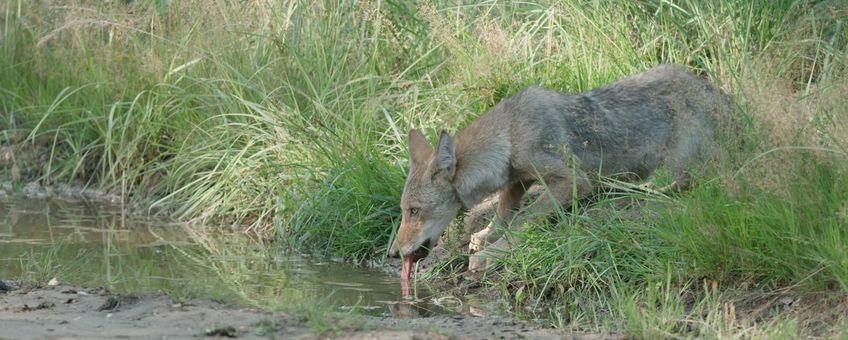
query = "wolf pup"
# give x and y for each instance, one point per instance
(624, 130)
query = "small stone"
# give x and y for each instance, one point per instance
(53, 282)
(5, 287)
(226, 331)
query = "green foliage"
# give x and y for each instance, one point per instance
(289, 118)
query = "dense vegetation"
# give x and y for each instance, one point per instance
(289, 118)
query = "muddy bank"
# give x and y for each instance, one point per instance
(67, 312)
(70, 312)
(22, 164)
(34, 190)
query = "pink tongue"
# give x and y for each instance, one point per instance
(407, 268)
(405, 274)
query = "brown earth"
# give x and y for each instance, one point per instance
(69, 312)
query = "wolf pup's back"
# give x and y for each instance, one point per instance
(627, 128)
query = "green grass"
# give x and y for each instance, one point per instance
(289, 118)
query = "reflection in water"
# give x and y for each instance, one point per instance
(92, 244)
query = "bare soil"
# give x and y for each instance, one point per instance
(69, 312)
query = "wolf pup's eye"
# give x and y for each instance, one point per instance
(413, 211)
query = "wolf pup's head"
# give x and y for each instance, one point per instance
(429, 202)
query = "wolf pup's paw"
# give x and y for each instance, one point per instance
(480, 239)
(478, 262)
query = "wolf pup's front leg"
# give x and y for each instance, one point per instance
(509, 200)
(485, 259)
(561, 186)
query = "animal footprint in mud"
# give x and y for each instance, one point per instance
(42, 305)
(115, 301)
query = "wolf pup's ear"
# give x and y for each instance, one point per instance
(444, 165)
(419, 148)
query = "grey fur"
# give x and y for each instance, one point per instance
(627, 129)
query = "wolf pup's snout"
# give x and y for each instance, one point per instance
(418, 253)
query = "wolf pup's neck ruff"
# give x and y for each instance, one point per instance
(482, 155)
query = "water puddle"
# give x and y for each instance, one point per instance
(93, 244)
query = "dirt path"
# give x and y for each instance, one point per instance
(68, 312)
